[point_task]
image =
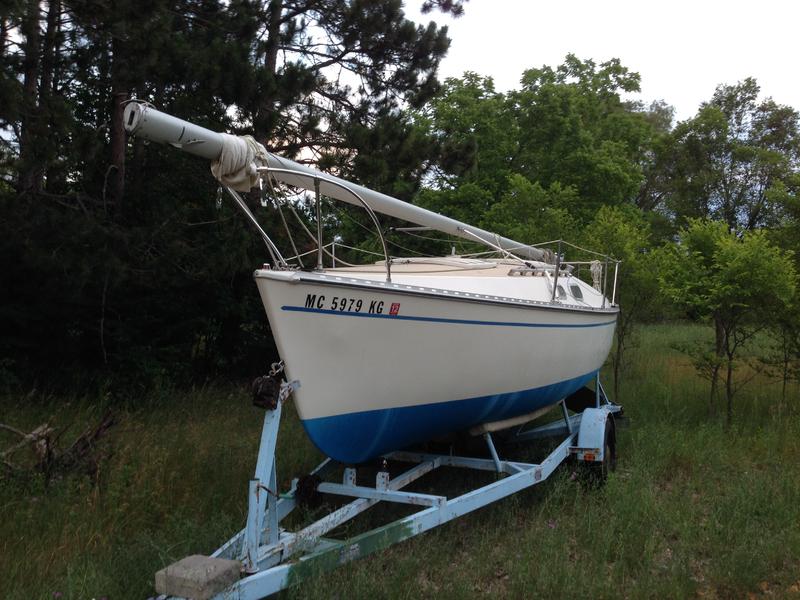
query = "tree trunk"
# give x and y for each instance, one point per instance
(50, 51)
(3, 36)
(116, 170)
(786, 360)
(30, 175)
(729, 388)
(719, 352)
(114, 188)
(273, 36)
(729, 345)
(265, 119)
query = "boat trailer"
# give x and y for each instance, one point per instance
(264, 558)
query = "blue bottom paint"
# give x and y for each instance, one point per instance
(358, 437)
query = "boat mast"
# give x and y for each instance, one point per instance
(151, 124)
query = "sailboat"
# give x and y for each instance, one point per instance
(399, 351)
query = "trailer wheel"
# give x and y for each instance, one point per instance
(609, 463)
(596, 473)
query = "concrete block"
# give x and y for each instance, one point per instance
(198, 577)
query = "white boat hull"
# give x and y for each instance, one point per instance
(382, 367)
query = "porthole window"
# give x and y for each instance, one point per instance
(561, 292)
(577, 293)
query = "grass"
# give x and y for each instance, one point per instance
(694, 508)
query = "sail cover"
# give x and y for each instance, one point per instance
(238, 162)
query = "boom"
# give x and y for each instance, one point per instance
(151, 124)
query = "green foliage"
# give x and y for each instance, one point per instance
(578, 131)
(623, 233)
(463, 203)
(477, 131)
(692, 510)
(528, 213)
(115, 264)
(733, 160)
(712, 271)
(738, 283)
(783, 358)
(138, 306)
(786, 194)
(566, 129)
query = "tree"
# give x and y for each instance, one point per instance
(623, 233)
(322, 66)
(566, 128)
(123, 244)
(576, 130)
(477, 132)
(735, 282)
(531, 214)
(784, 360)
(725, 162)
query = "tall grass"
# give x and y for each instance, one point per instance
(694, 508)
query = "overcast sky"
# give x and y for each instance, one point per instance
(682, 49)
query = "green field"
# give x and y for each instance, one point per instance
(694, 509)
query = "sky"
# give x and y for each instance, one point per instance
(681, 49)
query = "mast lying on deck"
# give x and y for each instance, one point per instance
(236, 160)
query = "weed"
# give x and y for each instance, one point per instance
(694, 508)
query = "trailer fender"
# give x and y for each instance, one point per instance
(592, 432)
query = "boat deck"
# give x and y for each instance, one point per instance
(481, 277)
(446, 265)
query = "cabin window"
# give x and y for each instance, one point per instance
(577, 293)
(560, 292)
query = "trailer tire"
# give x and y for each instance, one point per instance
(596, 473)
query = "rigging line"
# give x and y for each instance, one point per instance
(368, 230)
(311, 235)
(577, 248)
(275, 254)
(497, 248)
(409, 249)
(486, 253)
(276, 198)
(506, 252)
(344, 213)
(340, 245)
(425, 237)
(309, 252)
(360, 250)
(460, 243)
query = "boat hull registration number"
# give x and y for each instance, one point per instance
(349, 304)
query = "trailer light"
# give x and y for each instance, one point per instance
(588, 456)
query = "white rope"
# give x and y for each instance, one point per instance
(238, 162)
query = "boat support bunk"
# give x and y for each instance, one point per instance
(264, 558)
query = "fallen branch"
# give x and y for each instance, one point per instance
(83, 454)
(35, 439)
